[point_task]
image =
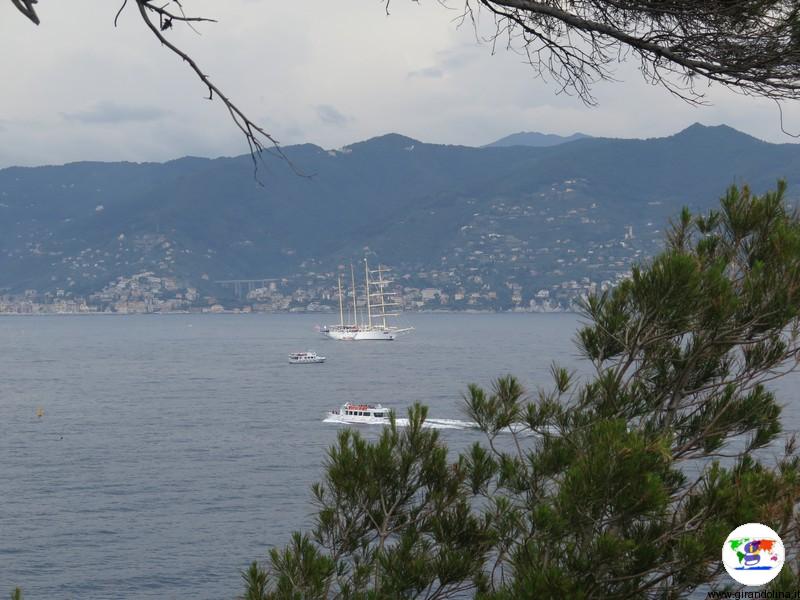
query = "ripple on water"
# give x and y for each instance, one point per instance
(175, 450)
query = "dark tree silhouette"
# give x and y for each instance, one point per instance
(617, 485)
(159, 19)
(750, 46)
(26, 8)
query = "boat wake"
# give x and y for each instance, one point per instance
(429, 423)
(401, 422)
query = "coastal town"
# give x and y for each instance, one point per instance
(145, 293)
(494, 263)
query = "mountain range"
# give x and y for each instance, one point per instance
(535, 215)
(535, 139)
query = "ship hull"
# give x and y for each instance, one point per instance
(359, 335)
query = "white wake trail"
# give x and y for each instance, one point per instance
(457, 424)
(401, 422)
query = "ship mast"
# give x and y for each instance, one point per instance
(383, 301)
(381, 293)
(366, 289)
(355, 307)
(341, 308)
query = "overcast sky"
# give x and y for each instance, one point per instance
(330, 73)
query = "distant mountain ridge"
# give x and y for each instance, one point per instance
(535, 139)
(476, 217)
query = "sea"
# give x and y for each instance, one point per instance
(156, 456)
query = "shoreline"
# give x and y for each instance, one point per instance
(278, 312)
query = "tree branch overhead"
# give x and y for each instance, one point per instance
(26, 8)
(159, 19)
(751, 46)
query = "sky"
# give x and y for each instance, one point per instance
(329, 73)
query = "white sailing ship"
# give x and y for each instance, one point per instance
(380, 305)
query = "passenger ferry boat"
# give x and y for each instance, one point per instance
(375, 414)
(379, 304)
(360, 413)
(302, 358)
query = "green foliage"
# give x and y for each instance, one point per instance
(16, 594)
(255, 581)
(621, 486)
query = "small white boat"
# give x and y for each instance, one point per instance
(360, 413)
(302, 358)
(375, 414)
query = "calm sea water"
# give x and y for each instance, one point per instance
(176, 449)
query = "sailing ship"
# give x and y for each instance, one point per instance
(380, 305)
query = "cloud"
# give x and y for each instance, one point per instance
(110, 112)
(428, 72)
(113, 94)
(462, 55)
(329, 115)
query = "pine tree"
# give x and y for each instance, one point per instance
(622, 486)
